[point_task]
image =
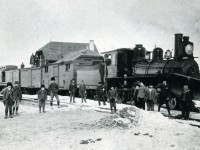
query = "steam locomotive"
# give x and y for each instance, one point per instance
(126, 66)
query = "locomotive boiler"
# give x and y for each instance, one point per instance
(127, 66)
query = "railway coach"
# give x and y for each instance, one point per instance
(61, 60)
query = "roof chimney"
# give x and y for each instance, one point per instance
(22, 65)
(91, 45)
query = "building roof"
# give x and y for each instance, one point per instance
(8, 67)
(56, 50)
(76, 54)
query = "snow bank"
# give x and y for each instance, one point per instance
(197, 103)
(126, 117)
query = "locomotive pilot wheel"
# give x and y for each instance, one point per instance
(172, 103)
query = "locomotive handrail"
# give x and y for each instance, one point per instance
(186, 76)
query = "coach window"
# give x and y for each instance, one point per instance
(113, 59)
(67, 67)
(46, 68)
(3, 76)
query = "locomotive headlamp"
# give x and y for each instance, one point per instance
(168, 54)
(189, 49)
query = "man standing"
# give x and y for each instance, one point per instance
(134, 96)
(72, 90)
(150, 98)
(53, 89)
(164, 95)
(100, 94)
(42, 98)
(186, 101)
(112, 95)
(141, 96)
(82, 91)
(8, 100)
(17, 97)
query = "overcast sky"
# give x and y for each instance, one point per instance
(27, 25)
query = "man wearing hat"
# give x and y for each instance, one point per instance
(112, 95)
(17, 97)
(8, 100)
(82, 91)
(150, 97)
(53, 89)
(42, 97)
(72, 90)
(164, 95)
(101, 94)
(186, 101)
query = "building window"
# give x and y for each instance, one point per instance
(96, 62)
(88, 59)
(67, 67)
(46, 69)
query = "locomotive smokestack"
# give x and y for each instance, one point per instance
(178, 45)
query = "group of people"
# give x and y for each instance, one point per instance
(141, 94)
(162, 94)
(53, 90)
(111, 95)
(12, 96)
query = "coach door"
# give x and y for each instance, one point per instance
(120, 64)
(55, 73)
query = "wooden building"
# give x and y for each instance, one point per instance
(54, 51)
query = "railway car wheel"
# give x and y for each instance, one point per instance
(172, 103)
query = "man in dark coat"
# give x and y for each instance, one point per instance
(8, 100)
(164, 95)
(72, 90)
(53, 89)
(101, 94)
(135, 100)
(17, 97)
(42, 97)
(82, 91)
(112, 95)
(186, 101)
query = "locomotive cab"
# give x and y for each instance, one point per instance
(119, 62)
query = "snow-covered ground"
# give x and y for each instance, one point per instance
(66, 128)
